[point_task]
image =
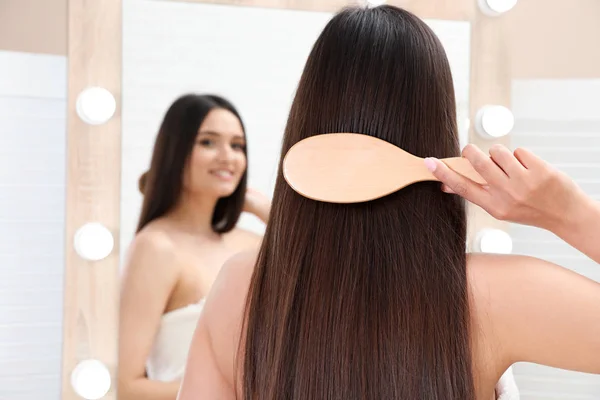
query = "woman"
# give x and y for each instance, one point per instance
(379, 300)
(194, 193)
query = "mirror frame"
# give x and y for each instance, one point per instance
(90, 328)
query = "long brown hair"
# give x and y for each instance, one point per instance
(365, 301)
(163, 183)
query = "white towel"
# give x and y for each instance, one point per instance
(167, 359)
(506, 388)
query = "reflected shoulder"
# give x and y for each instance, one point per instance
(243, 239)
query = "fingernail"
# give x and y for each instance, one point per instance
(430, 164)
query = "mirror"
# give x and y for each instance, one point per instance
(253, 57)
(258, 71)
(33, 113)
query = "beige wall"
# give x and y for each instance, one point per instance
(553, 39)
(34, 26)
(544, 39)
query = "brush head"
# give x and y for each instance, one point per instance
(349, 168)
(354, 168)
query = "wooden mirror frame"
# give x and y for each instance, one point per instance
(94, 154)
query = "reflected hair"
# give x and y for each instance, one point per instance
(368, 300)
(163, 183)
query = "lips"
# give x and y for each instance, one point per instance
(223, 174)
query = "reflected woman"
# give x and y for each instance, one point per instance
(194, 194)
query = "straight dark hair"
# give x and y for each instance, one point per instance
(163, 183)
(365, 301)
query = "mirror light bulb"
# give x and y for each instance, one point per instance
(95, 105)
(493, 8)
(90, 379)
(93, 241)
(494, 121)
(494, 241)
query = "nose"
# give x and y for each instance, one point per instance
(225, 153)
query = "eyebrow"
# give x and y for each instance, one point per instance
(213, 133)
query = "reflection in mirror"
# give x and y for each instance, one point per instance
(230, 51)
(252, 57)
(33, 108)
(209, 50)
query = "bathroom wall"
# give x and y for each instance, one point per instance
(33, 86)
(32, 223)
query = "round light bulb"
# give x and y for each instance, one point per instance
(91, 379)
(493, 8)
(494, 241)
(93, 241)
(95, 105)
(494, 121)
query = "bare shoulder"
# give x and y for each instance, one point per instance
(152, 252)
(151, 240)
(210, 369)
(236, 273)
(537, 311)
(225, 303)
(243, 239)
(150, 275)
(224, 309)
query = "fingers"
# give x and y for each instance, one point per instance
(456, 183)
(506, 160)
(485, 166)
(446, 189)
(528, 159)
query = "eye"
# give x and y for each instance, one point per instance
(206, 142)
(238, 146)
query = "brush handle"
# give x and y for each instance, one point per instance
(463, 167)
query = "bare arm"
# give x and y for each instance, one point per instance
(524, 189)
(203, 378)
(582, 229)
(258, 204)
(149, 278)
(210, 372)
(542, 313)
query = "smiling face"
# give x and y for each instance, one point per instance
(218, 160)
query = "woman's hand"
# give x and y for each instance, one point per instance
(257, 203)
(522, 188)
